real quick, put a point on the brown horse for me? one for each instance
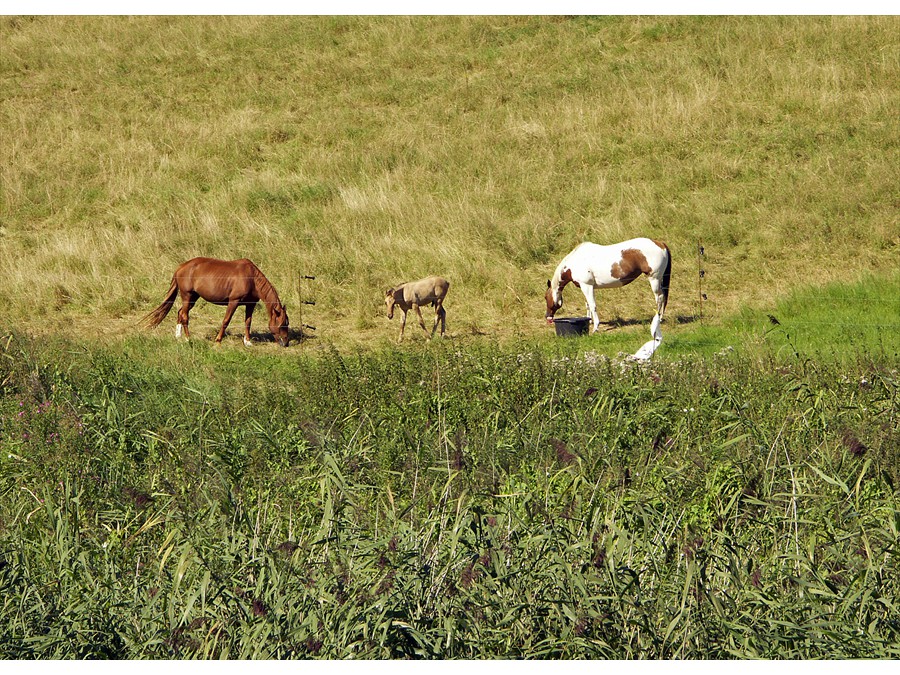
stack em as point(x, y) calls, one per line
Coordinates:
point(223, 282)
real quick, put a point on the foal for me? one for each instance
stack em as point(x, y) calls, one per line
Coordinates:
point(431, 290)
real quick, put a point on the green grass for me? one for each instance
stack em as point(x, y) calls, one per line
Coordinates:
point(834, 321)
point(440, 502)
point(839, 318)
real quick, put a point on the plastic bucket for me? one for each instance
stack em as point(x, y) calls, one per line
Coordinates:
point(572, 326)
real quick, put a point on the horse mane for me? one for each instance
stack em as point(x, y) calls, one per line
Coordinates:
point(557, 283)
point(266, 290)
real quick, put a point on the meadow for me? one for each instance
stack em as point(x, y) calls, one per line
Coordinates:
point(368, 152)
point(501, 493)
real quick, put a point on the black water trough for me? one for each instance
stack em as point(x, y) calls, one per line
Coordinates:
point(571, 326)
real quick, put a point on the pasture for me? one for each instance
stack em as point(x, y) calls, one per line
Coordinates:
point(499, 492)
point(368, 152)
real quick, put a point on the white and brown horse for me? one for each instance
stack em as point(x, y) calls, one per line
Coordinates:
point(592, 266)
point(231, 283)
point(413, 294)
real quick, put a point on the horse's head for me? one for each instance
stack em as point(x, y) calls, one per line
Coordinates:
point(554, 301)
point(278, 324)
point(389, 302)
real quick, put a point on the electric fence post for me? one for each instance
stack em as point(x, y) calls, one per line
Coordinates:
point(301, 301)
point(701, 296)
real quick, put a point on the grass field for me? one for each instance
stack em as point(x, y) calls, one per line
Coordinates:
point(373, 151)
point(502, 492)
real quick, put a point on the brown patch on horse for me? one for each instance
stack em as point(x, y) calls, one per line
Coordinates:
point(566, 277)
point(632, 265)
point(661, 244)
point(551, 305)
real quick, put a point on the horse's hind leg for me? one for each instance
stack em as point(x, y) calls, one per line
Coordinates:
point(656, 287)
point(437, 317)
point(440, 314)
point(187, 302)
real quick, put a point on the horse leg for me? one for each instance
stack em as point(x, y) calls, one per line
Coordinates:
point(656, 287)
point(421, 319)
point(402, 325)
point(229, 312)
point(248, 308)
point(437, 317)
point(187, 302)
point(440, 314)
point(588, 291)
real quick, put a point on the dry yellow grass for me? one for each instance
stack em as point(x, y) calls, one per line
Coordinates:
point(373, 151)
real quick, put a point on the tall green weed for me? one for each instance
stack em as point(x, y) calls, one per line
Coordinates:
point(447, 503)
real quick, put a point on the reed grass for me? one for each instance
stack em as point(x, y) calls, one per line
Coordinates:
point(444, 503)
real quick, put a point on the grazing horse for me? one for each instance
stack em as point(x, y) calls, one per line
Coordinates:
point(431, 290)
point(223, 282)
point(592, 266)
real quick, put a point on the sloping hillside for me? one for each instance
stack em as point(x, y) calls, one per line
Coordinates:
point(371, 151)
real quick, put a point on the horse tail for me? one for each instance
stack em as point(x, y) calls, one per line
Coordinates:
point(667, 276)
point(155, 317)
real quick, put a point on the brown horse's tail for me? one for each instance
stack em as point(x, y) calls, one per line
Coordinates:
point(667, 276)
point(154, 318)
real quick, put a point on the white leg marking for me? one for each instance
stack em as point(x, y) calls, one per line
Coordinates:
point(177, 331)
point(247, 342)
point(647, 349)
point(591, 303)
point(654, 327)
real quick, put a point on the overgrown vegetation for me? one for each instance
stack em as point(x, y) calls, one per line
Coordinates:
point(445, 503)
